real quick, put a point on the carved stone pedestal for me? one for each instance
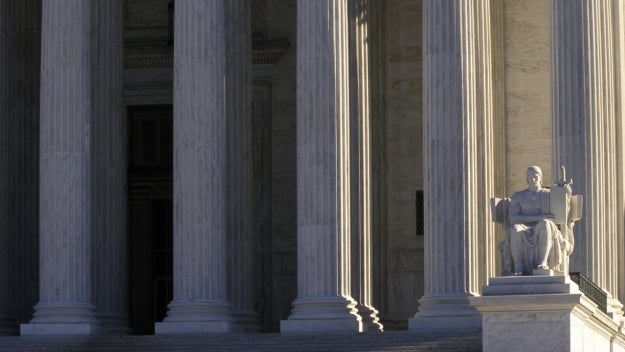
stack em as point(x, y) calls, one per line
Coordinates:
point(543, 313)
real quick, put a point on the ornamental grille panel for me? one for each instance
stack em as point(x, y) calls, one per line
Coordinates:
point(419, 212)
point(149, 143)
point(151, 139)
point(165, 137)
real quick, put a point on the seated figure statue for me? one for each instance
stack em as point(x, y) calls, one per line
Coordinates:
point(534, 240)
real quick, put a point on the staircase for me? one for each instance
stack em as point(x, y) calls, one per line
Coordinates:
point(386, 341)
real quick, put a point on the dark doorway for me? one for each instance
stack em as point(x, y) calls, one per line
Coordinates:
point(151, 214)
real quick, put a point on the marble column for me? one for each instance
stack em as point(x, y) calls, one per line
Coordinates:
point(584, 137)
point(360, 154)
point(109, 162)
point(457, 127)
point(199, 304)
point(242, 245)
point(20, 23)
point(377, 78)
point(323, 300)
point(619, 18)
point(65, 262)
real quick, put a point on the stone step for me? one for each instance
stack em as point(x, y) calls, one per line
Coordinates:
point(387, 341)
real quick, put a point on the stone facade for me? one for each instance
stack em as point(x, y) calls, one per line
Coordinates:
point(267, 165)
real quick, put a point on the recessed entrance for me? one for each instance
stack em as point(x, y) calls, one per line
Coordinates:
point(151, 212)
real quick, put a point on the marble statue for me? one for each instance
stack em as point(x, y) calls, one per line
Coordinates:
point(539, 227)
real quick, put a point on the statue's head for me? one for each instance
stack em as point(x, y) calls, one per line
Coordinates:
point(534, 176)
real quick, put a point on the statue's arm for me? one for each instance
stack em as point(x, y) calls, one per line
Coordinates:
point(514, 212)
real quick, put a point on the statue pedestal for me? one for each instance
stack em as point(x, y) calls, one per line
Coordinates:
point(543, 272)
point(543, 313)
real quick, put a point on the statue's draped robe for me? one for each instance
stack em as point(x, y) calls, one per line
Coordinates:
point(530, 233)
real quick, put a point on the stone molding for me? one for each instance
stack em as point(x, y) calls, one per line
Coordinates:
point(265, 51)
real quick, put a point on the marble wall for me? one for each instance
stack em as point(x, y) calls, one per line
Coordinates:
point(402, 90)
point(282, 23)
point(527, 50)
point(19, 150)
point(148, 53)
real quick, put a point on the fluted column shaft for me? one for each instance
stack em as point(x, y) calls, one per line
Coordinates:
point(360, 121)
point(241, 242)
point(65, 292)
point(109, 162)
point(619, 18)
point(584, 120)
point(323, 183)
point(457, 125)
point(199, 303)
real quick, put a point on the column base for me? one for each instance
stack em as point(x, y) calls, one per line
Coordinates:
point(63, 318)
point(333, 314)
point(370, 319)
point(446, 314)
point(196, 317)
